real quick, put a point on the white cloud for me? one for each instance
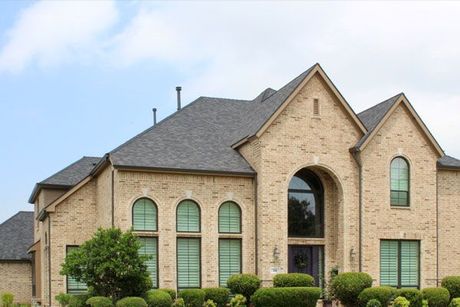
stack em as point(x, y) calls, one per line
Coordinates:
point(52, 32)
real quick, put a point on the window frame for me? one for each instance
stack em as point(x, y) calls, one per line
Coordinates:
point(408, 183)
point(156, 215)
point(240, 240)
point(199, 263)
point(177, 216)
point(69, 291)
point(157, 258)
point(240, 218)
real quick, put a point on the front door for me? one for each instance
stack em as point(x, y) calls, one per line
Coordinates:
point(307, 259)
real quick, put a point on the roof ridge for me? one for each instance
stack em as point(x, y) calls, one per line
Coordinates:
point(11, 217)
point(61, 170)
point(224, 98)
point(376, 105)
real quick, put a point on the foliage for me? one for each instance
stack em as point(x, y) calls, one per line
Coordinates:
point(328, 292)
point(171, 292)
point(383, 294)
point(218, 295)
point(245, 284)
point(209, 303)
point(347, 287)
point(374, 303)
point(238, 301)
point(192, 297)
point(414, 296)
point(452, 283)
point(131, 301)
point(78, 300)
point(280, 297)
point(401, 302)
point(7, 299)
point(179, 302)
point(293, 280)
point(455, 302)
point(63, 299)
point(158, 298)
point(99, 301)
point(436, 297)
point(110, 264)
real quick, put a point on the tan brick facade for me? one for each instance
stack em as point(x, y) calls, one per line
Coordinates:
point(16, 278)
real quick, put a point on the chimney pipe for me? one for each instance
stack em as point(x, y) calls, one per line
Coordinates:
point(178, 89)
point(154, 116)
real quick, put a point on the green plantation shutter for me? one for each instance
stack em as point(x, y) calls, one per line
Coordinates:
point(389, 263)
point(229, 218)
point(188, 217)
point(188, 263)
point(409, 264)
point(229, 259)
point(74, 286)
point(149, 247)
point(399, 182)
point(144, 215)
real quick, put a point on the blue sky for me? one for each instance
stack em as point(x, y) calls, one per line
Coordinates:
point(80, 78)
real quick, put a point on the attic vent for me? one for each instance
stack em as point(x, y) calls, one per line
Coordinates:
point(316, 107)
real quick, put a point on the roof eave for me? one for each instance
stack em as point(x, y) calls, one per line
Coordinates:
point(39, 186)
point(185, 171)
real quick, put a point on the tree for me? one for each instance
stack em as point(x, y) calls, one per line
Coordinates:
point(110, 264)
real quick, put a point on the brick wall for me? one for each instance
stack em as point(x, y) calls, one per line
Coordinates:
point(16, 278)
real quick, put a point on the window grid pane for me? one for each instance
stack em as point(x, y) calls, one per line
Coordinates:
point(399, 182)
point(144, 215)
point(188, 263)
point(389, 263)
point(229, 218)
point(229, 259)
point(409, 263)
point(74, 286)
point(188, 217)
point(149, 247)
point(399, 263)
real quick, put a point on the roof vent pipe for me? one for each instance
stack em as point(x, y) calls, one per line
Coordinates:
point(154, 116)
point(178, 89)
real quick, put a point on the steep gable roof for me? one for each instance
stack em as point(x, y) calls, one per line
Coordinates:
point(16, 235)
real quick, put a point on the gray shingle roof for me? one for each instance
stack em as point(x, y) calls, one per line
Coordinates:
point(448, 162)
point(16, 236)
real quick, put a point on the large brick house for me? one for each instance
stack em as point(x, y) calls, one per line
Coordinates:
point(290, 181)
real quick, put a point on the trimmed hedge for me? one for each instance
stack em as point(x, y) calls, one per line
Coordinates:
point(158, 298)
point(401, 302)
point(63, 298)
point(131, 301)
point(414, 296)
point(452, 283)
point(192, 297)
point(178, 302)
point(99, 301)
point(281, 297)
point(245, 284)
point(383, 294)
point(436, 297)
point(455, 302)
point(238, 301)
point(293, 280)
point(374, 303)
point(172, 293)
point(78, 300)
point(219, 296)
point(347, 287)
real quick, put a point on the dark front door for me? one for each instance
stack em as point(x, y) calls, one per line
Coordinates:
point(307, 259)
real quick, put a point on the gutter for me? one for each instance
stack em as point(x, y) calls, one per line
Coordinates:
point(356, 155)
point(437, 229)
point(256, 221)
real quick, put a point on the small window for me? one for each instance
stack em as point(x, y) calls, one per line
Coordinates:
point(316, 107)
point(144, 215)
point(399, 182)
point(229, 218)
point(74, 286)
point(188, 217)
point(188, 263)
point(229, 259)
point(400, 263)
point(149, 247)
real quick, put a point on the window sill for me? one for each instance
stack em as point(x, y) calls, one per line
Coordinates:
point(146, 233)
point(400, 207)
point(230, 235)
point(189, 234)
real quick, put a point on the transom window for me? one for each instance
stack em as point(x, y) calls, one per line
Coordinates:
point(399, 182)
point(144, 215)
point(305, 206)
point(400, 263)
point(188, 217)
point(229, 218)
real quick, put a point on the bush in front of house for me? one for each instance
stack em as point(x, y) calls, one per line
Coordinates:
point(238, 301)
point(455, 302)
point(414, 296)
point(158, 298)
point(99, 301)
point(178, 302)
point(132, 301)
point(78, 300)
point(280, 297)
point(374, 303)
point(452, 283)
point(172, 293)
point(401, 302)
point(293, 280)
point(193, 297)
point(436, 297)
point(63, 299)
point(7, 299)
point(383, 294)
point(209, 303)
point(218, 295)
point(347, 287)
point(245, 284)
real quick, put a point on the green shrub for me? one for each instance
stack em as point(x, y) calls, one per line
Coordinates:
point(383, 294)
point(452, 283)
point(401, 302)
point(218, 295)
point(158, 298)
point(414, 296)
point(374, 303)
point(245, 284)
point(63, 299)
point(238, 301)
point(293, 280)
point(347, 287)
point(171, 292)
point(436, 297)
point(7, 299)
point(192, 297)
point(131, 301)
point(280, 297)
point(455, 302)
point(78, 300)
point(209, 303)
point(179, 302)
point(99, 301)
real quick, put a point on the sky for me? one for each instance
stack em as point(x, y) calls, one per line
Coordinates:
point(81, 77)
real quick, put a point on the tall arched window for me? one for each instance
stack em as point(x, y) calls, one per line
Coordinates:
point(229, 218)
point(188, 217)
point(305, 206)
point(145, 215)
point(399, 182)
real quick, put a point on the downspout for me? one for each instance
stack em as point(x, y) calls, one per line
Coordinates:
point(113, 198)
point(357, 157)
point(49, 259)
point(437, 228)
point(256, 188)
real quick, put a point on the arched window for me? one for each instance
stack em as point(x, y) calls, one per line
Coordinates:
point(188, 217)
point(305, 206)
point(229, 218)
point(144, 215)
point(399, 182)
